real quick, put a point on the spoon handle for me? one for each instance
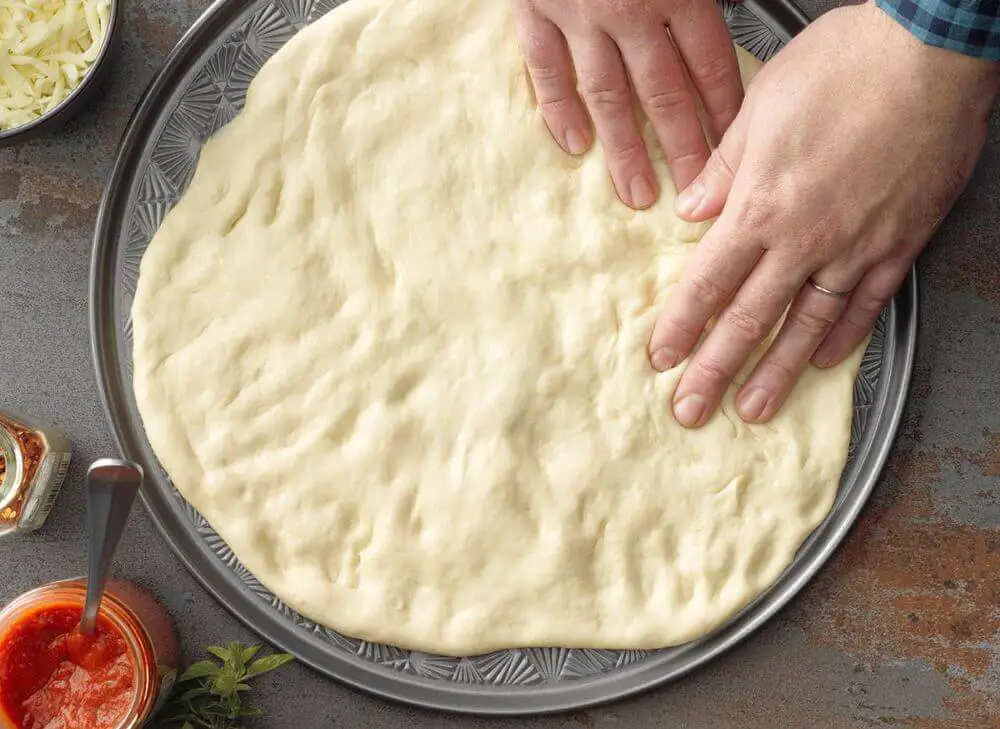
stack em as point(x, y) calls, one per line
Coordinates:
point(111, 488)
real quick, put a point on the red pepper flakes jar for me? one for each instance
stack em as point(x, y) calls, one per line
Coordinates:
point(148, 645)
point(33, 463)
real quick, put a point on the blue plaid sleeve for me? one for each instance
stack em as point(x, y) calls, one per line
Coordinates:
point(971, 27)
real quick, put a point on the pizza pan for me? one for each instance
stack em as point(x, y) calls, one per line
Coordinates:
point(200, 88)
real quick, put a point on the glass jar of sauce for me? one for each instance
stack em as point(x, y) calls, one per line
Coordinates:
point(33, 463)
point(115, 678)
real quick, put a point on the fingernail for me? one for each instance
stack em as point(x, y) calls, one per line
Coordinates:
point(576, 143)
point(641, 192)
point(664, 358)
point(688, 201)
point(689, 410)
point(822, 358)
point(753, 403)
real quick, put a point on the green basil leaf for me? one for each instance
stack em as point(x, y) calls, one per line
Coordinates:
point(200, 669)
point(268, 663)
point(222, 654)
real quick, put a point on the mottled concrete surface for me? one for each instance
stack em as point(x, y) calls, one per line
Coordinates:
point(902, 628)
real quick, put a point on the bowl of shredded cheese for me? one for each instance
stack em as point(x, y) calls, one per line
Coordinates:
point(52, 57)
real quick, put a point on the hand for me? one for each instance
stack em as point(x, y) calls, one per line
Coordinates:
point(613, 42)
point(851, 146)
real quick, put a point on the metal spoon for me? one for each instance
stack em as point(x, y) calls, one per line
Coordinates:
point(111, 488)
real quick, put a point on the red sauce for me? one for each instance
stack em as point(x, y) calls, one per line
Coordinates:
point(53, 677)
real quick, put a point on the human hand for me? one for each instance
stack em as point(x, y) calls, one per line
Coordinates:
point(602, 45)
point(851, 146)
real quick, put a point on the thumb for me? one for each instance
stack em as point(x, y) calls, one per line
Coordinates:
point(705, 197)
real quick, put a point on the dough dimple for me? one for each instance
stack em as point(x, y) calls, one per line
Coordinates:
point(391, 343)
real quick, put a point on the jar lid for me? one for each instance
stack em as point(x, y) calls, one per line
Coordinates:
point(13, 467)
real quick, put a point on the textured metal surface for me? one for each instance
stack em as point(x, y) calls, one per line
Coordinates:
point(201, 89)
point(900, 628)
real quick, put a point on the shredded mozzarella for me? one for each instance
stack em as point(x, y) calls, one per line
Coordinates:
point(46, 48)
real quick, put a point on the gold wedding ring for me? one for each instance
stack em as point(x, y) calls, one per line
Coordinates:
point(829, 292)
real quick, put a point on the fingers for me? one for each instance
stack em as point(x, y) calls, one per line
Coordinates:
point(606, 91)
point(819, 326)
point(717, 268)
point(809, 319)
point(547, 58)
point(706, 196)
point(872, 295)
point(741, 327)
point(552, 47)
point(706, 47)
point(663, 90)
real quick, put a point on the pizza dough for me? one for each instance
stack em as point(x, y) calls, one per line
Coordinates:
point(392, 345)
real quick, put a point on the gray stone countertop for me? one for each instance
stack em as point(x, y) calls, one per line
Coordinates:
point(901, 628)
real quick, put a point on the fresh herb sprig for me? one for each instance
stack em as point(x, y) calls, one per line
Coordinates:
point(212, 695)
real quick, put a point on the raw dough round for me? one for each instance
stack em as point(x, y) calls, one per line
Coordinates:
point(392, 345)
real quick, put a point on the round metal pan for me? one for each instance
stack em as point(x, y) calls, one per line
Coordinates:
point(201, 87)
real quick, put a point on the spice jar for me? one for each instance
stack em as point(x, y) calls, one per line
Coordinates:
point(33, 463)
point(115, 678)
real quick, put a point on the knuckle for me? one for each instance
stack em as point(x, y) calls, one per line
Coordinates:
point(810, 321)
point(797, 254)
point(908, 247)
point(746, 323)
point(668, 102)
point(772, 196)
point(546, 72)
point(625, 148)
point(705, 291)
point(681, 334)
point(686, 157)
point(555, 103)
point(715, 72)
point(859, 321)
point(862, 312)
point(712, 371)
point(538, 55)
point(820, 239)
point(866, 308)
point(607, 99)
point(753, 212)
point(781, 368)
point(627, 12)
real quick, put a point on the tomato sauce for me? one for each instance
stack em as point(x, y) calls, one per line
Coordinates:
point(53, 677)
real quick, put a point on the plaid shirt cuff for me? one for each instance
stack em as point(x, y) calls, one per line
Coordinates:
point(971, 27)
